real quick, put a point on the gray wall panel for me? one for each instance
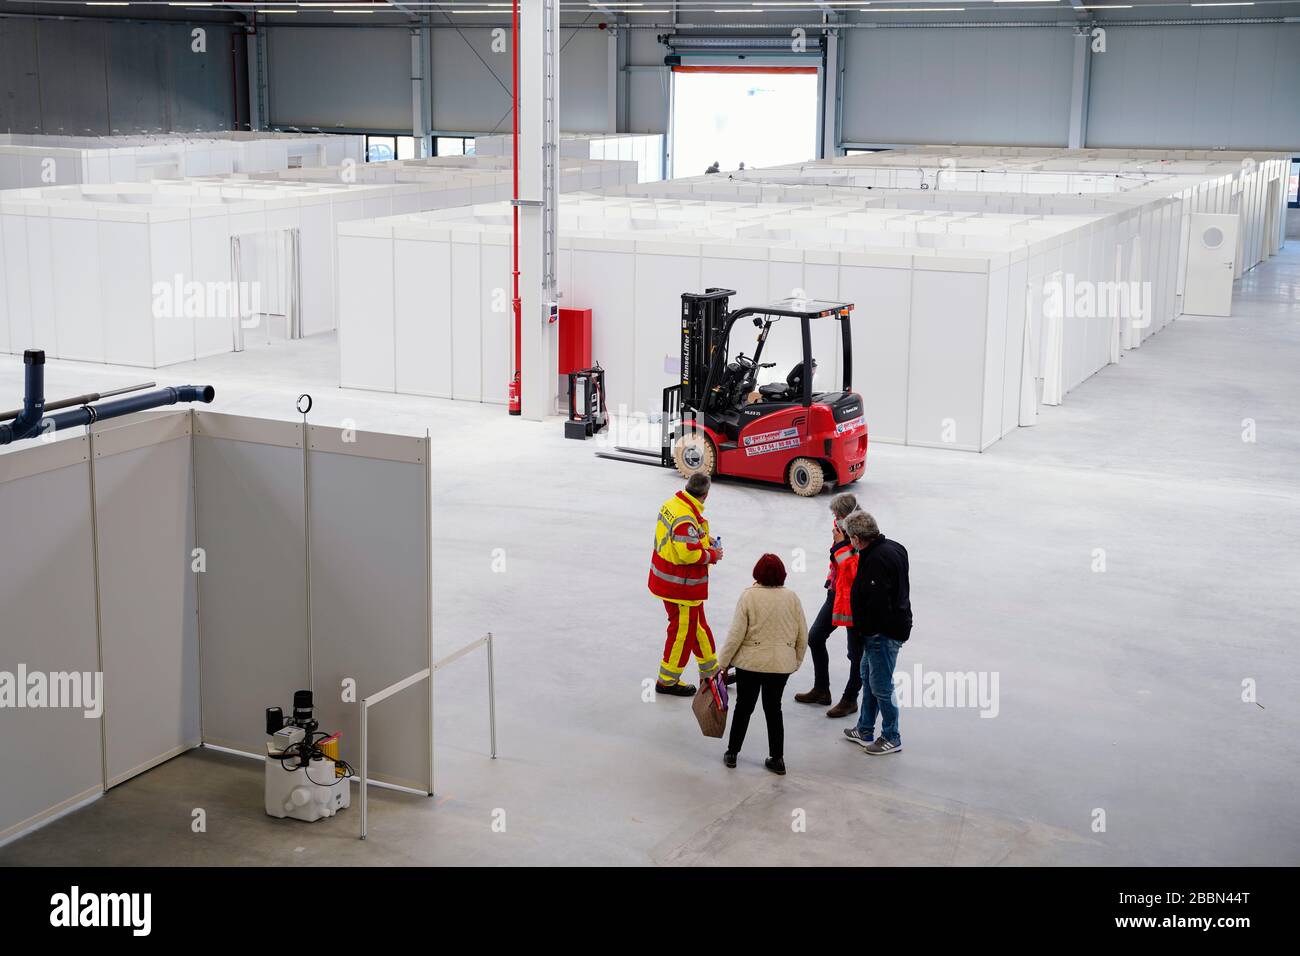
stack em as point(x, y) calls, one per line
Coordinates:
point(73, 67)
point(1197, 86)
point(369, 594)
point(253, 595)
point(47, 593)
point(1008, 86)
point(148, 617)
point(584, 81)
point(99, 78)
point(199, 85)
point(471, 83)
point(356, 78)
point(648, 100)
point(20, 102)
point(136, 99)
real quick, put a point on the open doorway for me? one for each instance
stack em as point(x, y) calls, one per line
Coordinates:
point(267, 274)
point(728, 115)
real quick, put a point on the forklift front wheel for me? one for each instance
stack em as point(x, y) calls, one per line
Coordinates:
point(806, 477)
point(693, 454)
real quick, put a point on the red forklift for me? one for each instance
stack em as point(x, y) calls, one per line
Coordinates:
point(719, 421)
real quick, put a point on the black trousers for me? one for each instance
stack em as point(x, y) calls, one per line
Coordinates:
point(818, 634)
point(750, 685)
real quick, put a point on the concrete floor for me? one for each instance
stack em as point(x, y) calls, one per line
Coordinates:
point(1119, 691)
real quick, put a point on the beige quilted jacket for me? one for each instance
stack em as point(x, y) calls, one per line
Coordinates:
point(769, 632)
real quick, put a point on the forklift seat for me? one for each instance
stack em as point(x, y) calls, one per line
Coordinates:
point(788, 390)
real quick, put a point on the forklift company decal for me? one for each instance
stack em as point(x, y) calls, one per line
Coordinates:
point(774, 446)
point(766, 437)
point(851, 424)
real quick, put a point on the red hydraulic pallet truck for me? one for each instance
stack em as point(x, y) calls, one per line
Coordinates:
point(717, 421)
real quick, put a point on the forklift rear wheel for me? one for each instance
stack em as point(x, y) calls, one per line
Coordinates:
point(806, 477)
point(693, 454)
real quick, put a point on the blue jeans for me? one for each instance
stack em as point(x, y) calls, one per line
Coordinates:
point(878, 657)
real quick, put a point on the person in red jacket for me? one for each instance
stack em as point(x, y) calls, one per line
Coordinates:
point(836, 612)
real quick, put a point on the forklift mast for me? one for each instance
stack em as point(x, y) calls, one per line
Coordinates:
point(704, 331)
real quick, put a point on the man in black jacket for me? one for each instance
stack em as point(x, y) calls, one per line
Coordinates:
point(882, 615)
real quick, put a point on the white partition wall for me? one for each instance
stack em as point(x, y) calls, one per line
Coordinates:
point(936, 319)
point(51, 756)
point(370, 596)
point(145, 274)
point(646, 149)
point(148, 613)
point(251, 524)
point(28, 161)
point(974, 306)
point(169, 553)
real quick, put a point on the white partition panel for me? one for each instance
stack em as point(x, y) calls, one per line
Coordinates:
point(424, 324)
point(144, 508)
point(882, 315)
point(50, 756)
point(366, 289)
point(371, 594)
point(467, 310)
point(655, 333)
point(946, 388)
point(253, 595)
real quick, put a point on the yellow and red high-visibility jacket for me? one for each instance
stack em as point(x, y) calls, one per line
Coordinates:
point(679, 567)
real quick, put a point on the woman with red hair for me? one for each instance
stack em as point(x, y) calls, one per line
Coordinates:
point(766, 643)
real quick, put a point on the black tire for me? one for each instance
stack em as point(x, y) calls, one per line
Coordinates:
point(806, 477)
point(694, 454)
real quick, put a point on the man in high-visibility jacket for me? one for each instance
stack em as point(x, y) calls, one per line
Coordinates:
point(679, 576)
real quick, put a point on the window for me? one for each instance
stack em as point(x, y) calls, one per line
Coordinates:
point(380, 149)
point(1293, 185)
point(854, 151)
point(453, 146)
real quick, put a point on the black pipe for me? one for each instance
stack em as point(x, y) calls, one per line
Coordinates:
point(33, 393)
point(79, 400)
point(33, 421)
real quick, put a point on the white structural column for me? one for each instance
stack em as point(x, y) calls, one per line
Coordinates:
point(831, 92)
point(1080, 79)
point(539, 110)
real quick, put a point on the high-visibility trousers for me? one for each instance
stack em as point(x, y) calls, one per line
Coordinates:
point(688, 633)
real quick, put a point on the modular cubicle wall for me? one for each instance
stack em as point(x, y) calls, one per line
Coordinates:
point(154, 274)
point(208, 566)
point(43, 160)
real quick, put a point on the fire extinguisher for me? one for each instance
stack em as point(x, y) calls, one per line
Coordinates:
point(514, 403)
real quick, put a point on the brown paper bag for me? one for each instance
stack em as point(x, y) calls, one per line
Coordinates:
point(712, 720)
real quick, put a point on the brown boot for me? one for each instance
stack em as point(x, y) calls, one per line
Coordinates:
point(814, 696)
point(846, 706)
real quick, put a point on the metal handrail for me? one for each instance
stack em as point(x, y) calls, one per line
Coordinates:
point(410, 681)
